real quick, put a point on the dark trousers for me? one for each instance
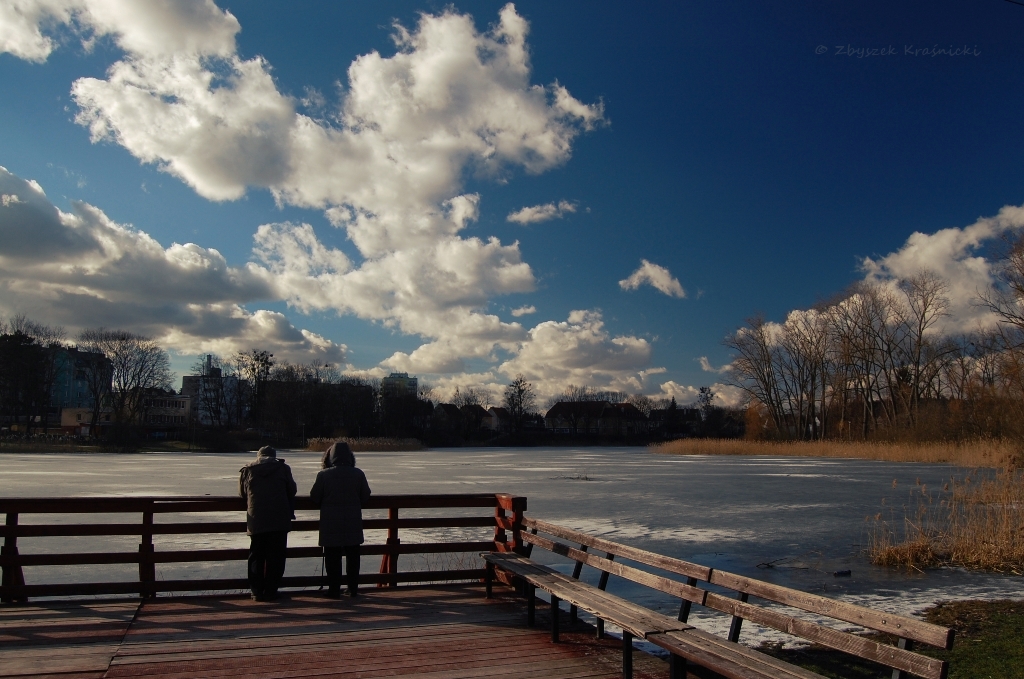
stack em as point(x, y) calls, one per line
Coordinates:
point(332, 564)
point(266, 561)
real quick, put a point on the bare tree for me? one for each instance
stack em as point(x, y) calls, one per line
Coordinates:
point(645, 404)
point(254, 366)
point(137, 364)
point(520, 400)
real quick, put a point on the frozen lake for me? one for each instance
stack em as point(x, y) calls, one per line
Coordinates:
point(806, 515)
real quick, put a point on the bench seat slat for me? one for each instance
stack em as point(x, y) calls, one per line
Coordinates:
point(727, 658)
point(898, 625)
point(667, 563)
point(633, 618)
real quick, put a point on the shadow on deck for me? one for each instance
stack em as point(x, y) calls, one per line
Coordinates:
point(443, 632)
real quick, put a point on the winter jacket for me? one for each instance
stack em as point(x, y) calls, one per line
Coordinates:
point(340, 492)
point(269, 489)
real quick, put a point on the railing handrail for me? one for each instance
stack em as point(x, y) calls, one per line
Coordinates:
point(216, 503)
point(14, 587)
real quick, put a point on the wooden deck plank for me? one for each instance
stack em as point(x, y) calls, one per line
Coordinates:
point(443, 632)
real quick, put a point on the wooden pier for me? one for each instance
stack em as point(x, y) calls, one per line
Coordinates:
point(465, 608)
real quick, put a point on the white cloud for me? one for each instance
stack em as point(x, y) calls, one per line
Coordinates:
point(726, 395)
point(579, 351)
point(387, 164)
point(706, 366)
point(656, 276)
point(152, 28)
point(524, 310)
point(952, 254)
point(541, 213)
point(82, 269)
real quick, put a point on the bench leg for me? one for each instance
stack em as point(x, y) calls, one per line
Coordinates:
point(488, 578)
point(676, 667)
point(600, 628)
point(737, 622)
point(531, 607)
point(572, 615)
point(627, 655)
point(554, 619)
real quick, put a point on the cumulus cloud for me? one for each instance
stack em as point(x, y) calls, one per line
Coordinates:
point(541, 213)
point(524, 310)
point(82, 269)
point(953, 254)
point(579, 351)
point(387, 163)
point(726, 395)
point(657, 277)
point(706, 366)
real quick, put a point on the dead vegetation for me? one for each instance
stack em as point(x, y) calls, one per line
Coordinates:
point(990, 452)
point(368, 444)
point(975, 521)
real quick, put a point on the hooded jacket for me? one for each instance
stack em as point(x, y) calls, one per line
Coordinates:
point(269, 489)
point(340, 491)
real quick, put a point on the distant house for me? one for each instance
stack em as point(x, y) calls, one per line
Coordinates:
point(595, 417)
point(448, 414)
point(475, 417)
point(164, 410)
point(675, 421)
point(498, 419)
point(575, 417)
point(78, 421)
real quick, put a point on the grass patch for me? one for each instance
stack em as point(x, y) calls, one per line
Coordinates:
point(995, 453)
point(988, 645)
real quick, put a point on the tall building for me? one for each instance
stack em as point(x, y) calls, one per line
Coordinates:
point(74, 370)
point(397, 385)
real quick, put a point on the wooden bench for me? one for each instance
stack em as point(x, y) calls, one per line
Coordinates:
point(684, 642)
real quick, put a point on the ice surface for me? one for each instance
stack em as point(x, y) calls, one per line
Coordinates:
point(805, 515)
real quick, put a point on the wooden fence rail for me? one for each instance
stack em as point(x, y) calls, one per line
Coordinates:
point(507, 516)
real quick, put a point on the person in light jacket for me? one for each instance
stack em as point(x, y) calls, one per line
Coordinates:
point(340, 491)
point(269, 490)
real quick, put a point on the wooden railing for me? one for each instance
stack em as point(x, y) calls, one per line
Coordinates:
point(505, 520)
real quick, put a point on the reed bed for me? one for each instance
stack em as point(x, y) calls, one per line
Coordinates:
point(367, 444)
point(994, 453)
point(976, 521)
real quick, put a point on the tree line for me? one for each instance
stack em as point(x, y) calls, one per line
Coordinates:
point(875, 362)
point(115, 368)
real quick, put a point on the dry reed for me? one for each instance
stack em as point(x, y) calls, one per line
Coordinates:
point(976, 522)
point(996, 453)
point(368, 444)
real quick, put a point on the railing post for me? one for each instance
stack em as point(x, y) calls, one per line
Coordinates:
point(517, 505)
point(393, 543)
point(13, 577)
point(147, 567)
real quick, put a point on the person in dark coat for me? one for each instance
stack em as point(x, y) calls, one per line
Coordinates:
point(340, 491)
point(269, 490)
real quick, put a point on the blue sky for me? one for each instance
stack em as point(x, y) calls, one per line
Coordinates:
point(753, 154)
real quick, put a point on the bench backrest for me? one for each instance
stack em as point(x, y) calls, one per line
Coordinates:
point(900, 657)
